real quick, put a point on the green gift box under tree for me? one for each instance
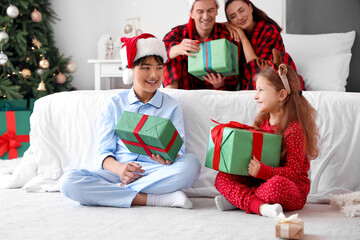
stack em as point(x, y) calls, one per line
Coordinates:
point(215, 56)
point(13, 105)
point(232, 146)
point(14, 133)
point(147, 135)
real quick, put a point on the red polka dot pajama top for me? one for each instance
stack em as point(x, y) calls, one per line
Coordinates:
point(287, 184)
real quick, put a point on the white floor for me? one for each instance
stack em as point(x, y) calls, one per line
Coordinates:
point(52, 216)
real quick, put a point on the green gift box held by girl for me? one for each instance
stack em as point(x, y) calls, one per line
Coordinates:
point(144, 134)
point(232, 146)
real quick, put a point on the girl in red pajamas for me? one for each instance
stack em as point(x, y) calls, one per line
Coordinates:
point(258, 35)
point(284, 111)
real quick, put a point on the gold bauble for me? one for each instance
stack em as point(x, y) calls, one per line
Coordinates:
point(128, 29)
point(71, 67)
point(44, 64)
point(25, 73)
point(41, 86)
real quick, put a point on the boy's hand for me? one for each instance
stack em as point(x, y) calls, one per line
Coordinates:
point(128, 172)
point(254, 167)
point(159, 159)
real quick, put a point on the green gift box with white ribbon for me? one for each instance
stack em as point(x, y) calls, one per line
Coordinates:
point(215, 56)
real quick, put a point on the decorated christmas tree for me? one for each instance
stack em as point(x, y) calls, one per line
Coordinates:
point(30, 63)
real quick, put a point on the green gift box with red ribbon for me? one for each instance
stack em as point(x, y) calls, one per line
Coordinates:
point(231, 147)
point(14, 133)
point(214, 56)
point(147, 135)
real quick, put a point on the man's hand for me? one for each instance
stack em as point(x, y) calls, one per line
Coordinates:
point(216, 80)
point(184, 48)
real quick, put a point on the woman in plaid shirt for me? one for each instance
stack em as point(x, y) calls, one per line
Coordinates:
point(258, 35)
point(184, 39)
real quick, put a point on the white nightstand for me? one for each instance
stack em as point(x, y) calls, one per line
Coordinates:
point(106, 69)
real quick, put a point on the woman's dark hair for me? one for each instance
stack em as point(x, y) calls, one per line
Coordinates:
point(140, 61)
point(257, 14)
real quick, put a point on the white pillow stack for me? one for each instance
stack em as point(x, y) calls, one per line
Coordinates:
point(323, 60)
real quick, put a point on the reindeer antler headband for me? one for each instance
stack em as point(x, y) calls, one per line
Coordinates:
point(278, 66)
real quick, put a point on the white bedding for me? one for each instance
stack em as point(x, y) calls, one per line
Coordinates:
point(63, 136)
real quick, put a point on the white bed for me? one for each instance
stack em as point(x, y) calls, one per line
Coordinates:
point(63, 136)
point(63, 129)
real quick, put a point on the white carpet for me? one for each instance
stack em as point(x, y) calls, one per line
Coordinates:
point(52, 216)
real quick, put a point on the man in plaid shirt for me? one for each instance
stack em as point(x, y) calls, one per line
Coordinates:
point(184, 39)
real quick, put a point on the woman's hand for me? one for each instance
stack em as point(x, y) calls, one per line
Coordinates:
point(235, 32)
point(184, 48)
point(216, 80)
point(128, 172)
point(159, 159)
point(254, 167)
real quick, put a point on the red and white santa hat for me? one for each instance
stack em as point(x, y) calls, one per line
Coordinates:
point(191, 4)
point(137, 47)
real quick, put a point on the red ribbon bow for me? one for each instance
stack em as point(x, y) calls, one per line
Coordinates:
point(217, 135)
point(9, 141)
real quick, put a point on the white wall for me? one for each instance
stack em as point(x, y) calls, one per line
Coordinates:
point(84, 21)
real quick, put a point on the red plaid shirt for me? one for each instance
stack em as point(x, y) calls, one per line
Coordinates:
point(264, 38)
point(176, 69)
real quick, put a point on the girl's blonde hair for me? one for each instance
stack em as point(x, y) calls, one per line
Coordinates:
point(294, 108)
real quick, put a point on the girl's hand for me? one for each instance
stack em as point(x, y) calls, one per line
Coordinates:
point(128, 172)
point(254, 167)
point(216, 80)
point(159, 159)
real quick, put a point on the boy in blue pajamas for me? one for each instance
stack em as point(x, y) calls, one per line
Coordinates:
point(126, 178)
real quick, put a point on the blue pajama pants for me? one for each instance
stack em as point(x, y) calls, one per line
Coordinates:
point(102, 187)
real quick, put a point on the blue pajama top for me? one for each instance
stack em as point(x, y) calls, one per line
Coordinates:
point(161, 105)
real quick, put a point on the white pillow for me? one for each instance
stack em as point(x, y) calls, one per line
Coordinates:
point(323, 60)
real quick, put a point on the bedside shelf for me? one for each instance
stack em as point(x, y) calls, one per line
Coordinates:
point(106, 69)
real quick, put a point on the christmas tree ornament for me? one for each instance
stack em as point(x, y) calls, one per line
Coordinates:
point(36, 16)
point(44, 64)
point(3, 58)
point(25, 73)
point(71, 67)
point(60, 78)
point(41, 86)
point(12, 11)
point(40, 71)
point(138, 32)
point(128, 29)
point(36, 42)
point(4, 38)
